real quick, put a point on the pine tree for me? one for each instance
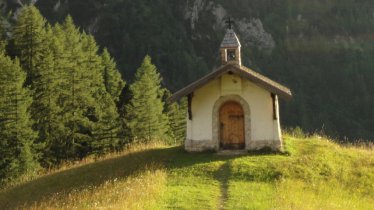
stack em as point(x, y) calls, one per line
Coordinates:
point(89, 116)
point(77, 94)
point(145, 118)
point(59, 148)
point(112, 77)
point(17, 148)
point(35, 42)
point(103, 111)
point(176, 113)
point(29, 39)
point(45, 89)
point(72, 94)
point(2, 34)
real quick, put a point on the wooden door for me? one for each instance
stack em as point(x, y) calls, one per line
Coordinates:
point(231, 126)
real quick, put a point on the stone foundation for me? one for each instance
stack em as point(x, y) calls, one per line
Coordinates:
point(274, 145)
point(199, 145)
point(210, 145)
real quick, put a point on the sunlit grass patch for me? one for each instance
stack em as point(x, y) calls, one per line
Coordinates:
point(139, 191)
point(296, 194)
point(189, 192)
point(85, 176)
point(193, 182)
point(251, 195)
point(265, 168)
point(318, 174)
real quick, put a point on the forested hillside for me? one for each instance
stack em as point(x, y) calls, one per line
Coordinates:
point(60, 98)
point(322, 50)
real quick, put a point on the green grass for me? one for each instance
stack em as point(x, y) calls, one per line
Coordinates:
point(313, 173)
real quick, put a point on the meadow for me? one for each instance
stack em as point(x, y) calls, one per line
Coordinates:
point(311, 173)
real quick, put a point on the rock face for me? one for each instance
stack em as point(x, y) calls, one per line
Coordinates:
point(250, 29)
point(193, 11)
point(220, 14)
point(15, 4)
point(254, 34)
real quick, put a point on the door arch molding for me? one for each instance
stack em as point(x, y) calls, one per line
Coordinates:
point(216, 124)
point(231, 118)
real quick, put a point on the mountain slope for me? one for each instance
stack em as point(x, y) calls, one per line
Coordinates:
point(322, 50)
point(313, 173)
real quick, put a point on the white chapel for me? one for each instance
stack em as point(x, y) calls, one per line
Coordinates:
point(233, 107)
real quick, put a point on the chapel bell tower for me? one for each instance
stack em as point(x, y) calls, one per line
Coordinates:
point(230, 47)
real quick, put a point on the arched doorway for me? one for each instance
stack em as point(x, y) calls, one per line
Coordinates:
point(231, 119)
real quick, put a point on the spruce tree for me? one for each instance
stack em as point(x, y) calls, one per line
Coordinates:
point(103, 111)
point(17, 148)
point(46, 91)
point(35, 43)
point(59, 148)
point(29, 39)
point(177, 113)
point(2, 34)
point(112, 77)
point(72, 93)
point(88, 112)
point(77, 94)
point(144, 113)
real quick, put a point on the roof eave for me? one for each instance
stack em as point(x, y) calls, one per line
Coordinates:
point(282, 91)
point(196, 84)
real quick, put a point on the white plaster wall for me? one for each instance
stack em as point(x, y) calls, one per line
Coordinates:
point(261, 106)
point(263, 127)
point(277, 128)
point(202, 105)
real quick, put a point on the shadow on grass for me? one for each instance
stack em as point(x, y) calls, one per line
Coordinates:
point(268, 151)
point(223, 175)
point(96, 174)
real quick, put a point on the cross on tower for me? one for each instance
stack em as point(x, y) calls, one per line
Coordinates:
point(229, 23)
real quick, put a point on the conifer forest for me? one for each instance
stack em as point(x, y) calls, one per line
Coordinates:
point(61, 98)
point(81, 78)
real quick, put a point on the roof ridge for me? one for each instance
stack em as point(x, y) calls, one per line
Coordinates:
point(265, 78)
point(245, 72)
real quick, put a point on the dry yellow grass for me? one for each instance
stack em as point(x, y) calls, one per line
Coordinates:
point(129, 149)
point(138, 191)
point(128, 180)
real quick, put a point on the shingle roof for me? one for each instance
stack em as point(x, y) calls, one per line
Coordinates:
point(230, 40)
point(243, 72)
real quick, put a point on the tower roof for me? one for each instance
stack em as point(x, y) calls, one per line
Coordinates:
point(230, 40)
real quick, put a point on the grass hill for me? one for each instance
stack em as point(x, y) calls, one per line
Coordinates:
point(312, 173)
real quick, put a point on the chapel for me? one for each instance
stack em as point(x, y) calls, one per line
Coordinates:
point(233, 107)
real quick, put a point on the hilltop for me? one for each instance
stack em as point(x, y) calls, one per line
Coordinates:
point(312, 173)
